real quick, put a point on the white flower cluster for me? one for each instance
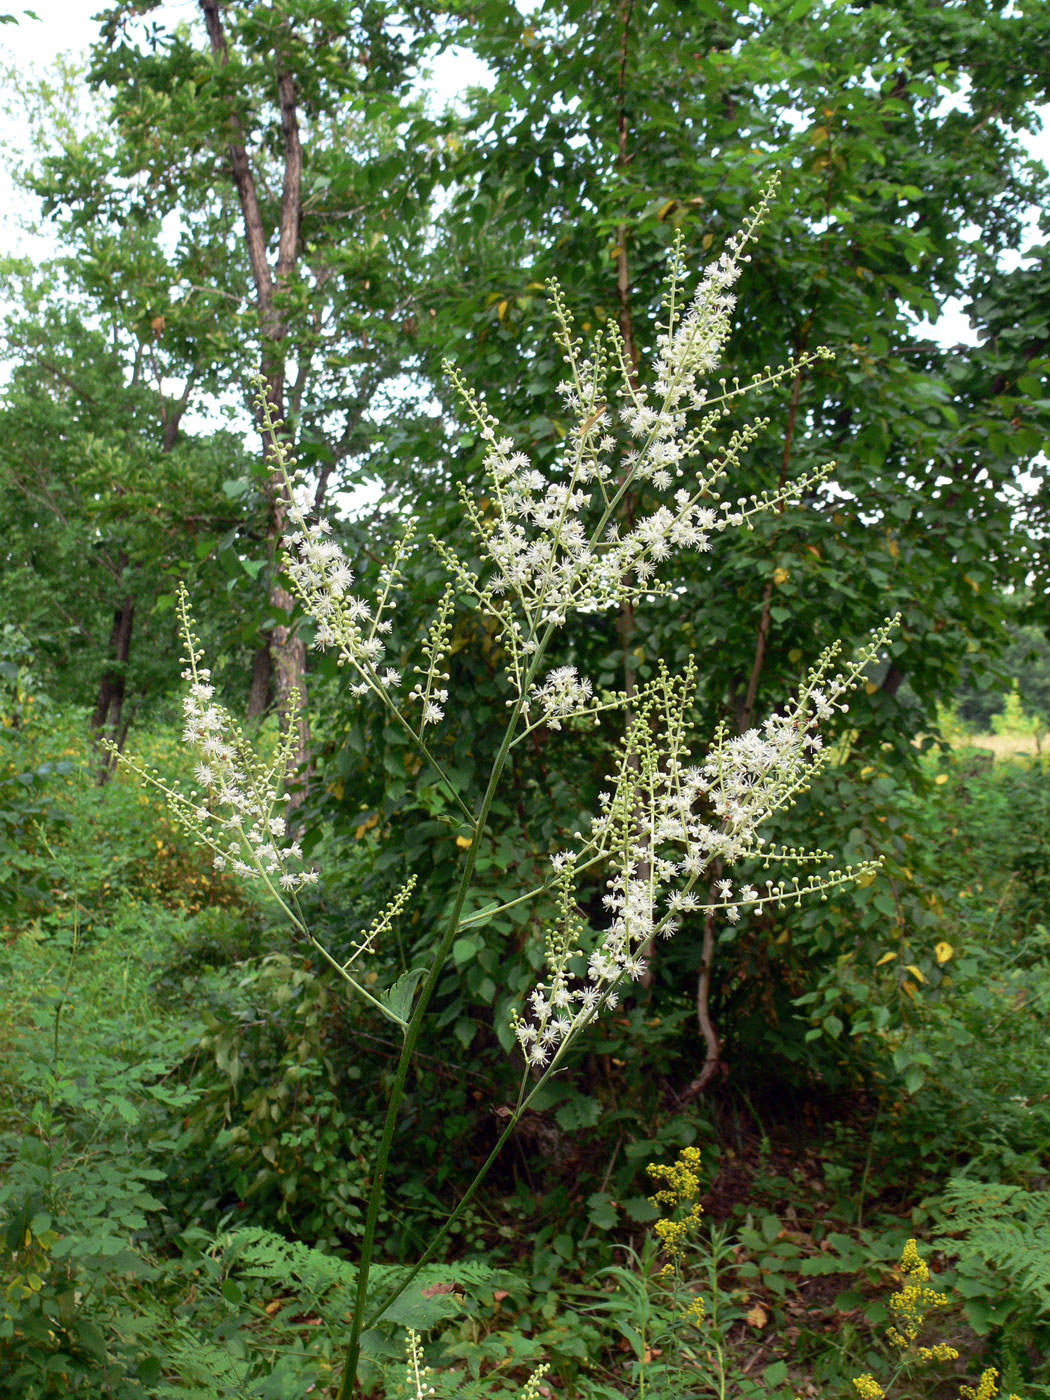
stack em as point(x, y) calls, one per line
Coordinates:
point(430, 690)
point(564, 693)
point(548, 546)
point(554, 538)
point(235, 812)
point(321, 576)
point(666, 825)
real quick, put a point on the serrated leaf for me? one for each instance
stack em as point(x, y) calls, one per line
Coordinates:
point(639, 1208)
point(398, 998)
point(601, 1210)
point(581, 1111)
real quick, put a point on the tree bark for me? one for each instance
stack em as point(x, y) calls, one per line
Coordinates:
point(109, 707)
point(712, 1041)
point(259, 692)
point(287, 652)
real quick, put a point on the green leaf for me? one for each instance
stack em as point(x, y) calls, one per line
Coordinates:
point(914, 1078)
point(465, 1031)
point(464, 950)
point(89, 1335)
point(600, 1211)
point(771, 1228)
point(640, 1209)
point(398, 998)
point(581, 1111)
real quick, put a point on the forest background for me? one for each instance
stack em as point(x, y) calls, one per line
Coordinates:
point(233, 189)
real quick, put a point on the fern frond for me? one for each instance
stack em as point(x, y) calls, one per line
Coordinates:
point(1006, 1226)
point(325, 1282)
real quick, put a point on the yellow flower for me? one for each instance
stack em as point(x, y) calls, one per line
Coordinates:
point(682, 1189)
point(868, 1388)
point(696, 1312)
point(986, 1387)
point(910, 1304)
point(940, 1351)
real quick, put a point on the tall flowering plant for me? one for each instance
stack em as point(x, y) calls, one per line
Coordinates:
point(554, 545)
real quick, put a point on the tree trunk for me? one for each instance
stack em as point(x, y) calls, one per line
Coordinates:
point(259, 693)
point(109, 708)
point(287, 652)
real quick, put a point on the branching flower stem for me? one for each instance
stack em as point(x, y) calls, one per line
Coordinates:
point(283, 463)
point(412, 1033)
point(491, 910)
point(551, 546)
point(353, 982)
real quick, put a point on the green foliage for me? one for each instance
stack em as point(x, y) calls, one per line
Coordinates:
point(1026, 665)
point(999, 1234)
point(242, 1088)
point(90, 1118)
point(1014, 719)
point(875, 173)
point(101, 499)
point(271, 1130)
point(27, 776)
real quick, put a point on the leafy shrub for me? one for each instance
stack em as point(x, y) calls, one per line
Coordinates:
point(90, 1119)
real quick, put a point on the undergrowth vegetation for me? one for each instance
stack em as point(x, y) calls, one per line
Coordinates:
point(186, 1097)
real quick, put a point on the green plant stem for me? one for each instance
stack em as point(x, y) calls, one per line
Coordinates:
point(491, 910)
point(353, 982)
point(421, 744)
point(867, 1169)
point(483, 1171)
point(397, 1091)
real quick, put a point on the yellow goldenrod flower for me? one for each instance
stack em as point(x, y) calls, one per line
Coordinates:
point(986, 1387)
point(940, 1351)
point(682, 1189)
point(696, 1312)
point(911, 1303)
point(868, 1388)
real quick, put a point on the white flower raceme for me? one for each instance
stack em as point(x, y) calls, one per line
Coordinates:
point(552, 541)
point(236, 812)
point(558, 540)
point(321, 575)
point(565, 692)
point(666, 823)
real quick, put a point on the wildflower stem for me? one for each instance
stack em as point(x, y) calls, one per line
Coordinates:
point(383, 695)
point(465, 1199)
point(412, 1035)
point(332, 962)
point(421, 745)
point(491, 910)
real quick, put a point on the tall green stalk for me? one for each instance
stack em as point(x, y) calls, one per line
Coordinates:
point(397, 1092)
